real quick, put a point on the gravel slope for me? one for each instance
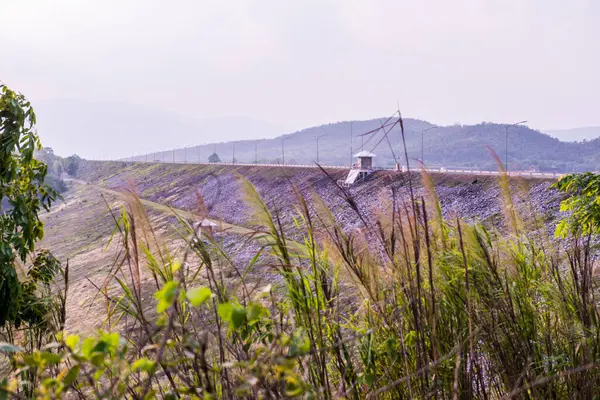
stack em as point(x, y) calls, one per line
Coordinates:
point(181, 186)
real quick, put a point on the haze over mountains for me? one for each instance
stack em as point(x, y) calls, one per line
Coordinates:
point(112, 130)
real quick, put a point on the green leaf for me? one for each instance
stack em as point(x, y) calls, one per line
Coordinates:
point(71, 375)
point(3, 393)
point(72, 341)
point(112, 340)
point(175, 266)
point(98, 359)
point(51, 358)
point(233, 314)
point(100, 347)
point(224, 310)
point(198, 296)
point(166, 296)
point(143, 364)
point(255, 311)
point(238, 316)
point(87, 347)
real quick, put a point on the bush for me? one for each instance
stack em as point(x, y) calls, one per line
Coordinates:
point(72, 165)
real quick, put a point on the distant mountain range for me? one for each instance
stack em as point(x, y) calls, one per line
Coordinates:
point(576, 134)
point(118, 131)
point(465, 146)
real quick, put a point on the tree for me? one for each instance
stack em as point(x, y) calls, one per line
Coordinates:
point(47, 156)
point(214, 158)
point(72, 164)
point(23, 194)
point(582, 205)
point(59, 168)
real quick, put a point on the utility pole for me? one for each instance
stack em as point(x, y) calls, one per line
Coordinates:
point(351, 143)
point(283, 149)
point(506, 142)
point(318, 137)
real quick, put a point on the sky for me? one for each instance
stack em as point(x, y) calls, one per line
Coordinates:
point(297, 64)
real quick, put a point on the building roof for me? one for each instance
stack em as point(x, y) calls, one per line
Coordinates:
point(364, 153)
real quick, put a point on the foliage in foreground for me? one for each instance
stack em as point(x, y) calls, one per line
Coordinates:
point(410, 306)
point(22, 195)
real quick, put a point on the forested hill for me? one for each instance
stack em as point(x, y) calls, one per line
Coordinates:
point(450, 146)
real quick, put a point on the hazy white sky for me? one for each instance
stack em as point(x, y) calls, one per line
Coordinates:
point(306, 62)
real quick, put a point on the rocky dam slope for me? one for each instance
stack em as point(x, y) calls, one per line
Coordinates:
point(472, 198)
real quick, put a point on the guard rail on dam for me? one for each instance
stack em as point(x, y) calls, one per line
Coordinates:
point(442, 170)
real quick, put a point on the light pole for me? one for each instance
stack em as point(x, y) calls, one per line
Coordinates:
point(318, 137)
point(506, 142)
point(256, 150)
point(423, 142)
point(283, 149)
point(351, 143)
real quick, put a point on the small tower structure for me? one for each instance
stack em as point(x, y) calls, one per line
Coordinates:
point(362, 168)
point(365, 160)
